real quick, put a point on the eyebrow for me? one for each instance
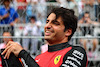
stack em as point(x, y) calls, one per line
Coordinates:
point(53, 20)
point(56, 21)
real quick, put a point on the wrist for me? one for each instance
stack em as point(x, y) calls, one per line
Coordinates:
point(21, 53)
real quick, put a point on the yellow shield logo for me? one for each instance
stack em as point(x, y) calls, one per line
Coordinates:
point(57, 59)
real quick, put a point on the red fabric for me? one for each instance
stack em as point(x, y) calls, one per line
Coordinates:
point(21, 7)
point(21, 0)
point(87, 62)
point(47, 59)
point(0, 62)
point(21, 62)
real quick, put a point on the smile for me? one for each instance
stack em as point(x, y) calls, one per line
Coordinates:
point(47, 33)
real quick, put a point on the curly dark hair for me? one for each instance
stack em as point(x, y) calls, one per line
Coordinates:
point(68, 18)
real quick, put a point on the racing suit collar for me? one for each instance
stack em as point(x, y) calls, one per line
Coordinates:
point(57, 47)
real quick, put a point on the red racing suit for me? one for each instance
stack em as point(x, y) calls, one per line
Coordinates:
point(59, 55)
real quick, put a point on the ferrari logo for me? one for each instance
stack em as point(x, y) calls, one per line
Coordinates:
point(57, 59)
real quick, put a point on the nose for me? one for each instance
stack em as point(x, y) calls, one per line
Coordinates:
point(48, 25)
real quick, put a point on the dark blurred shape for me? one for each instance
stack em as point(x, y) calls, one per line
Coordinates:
point(13, 61)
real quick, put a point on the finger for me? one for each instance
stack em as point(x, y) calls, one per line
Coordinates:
point(8, 53)
point(9, 43)
point(6, 50)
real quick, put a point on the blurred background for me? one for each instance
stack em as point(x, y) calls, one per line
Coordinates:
point(23, 21)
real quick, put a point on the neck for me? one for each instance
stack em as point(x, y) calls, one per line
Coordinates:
point(7, 7)
point(54, 42)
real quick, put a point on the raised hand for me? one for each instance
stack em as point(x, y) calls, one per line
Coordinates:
point(12, 47)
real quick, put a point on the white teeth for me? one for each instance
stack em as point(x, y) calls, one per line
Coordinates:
point(47, 31)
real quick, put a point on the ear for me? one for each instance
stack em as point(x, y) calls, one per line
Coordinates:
point(68, 32)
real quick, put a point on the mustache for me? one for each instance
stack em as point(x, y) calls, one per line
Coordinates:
point(50, 29)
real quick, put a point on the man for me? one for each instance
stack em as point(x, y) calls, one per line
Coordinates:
point(21, 9)
point(8, 15)
point(88, 30)
point(11, 62)
point(60, 26)
point(91, 8)
point(86, 20)
point(5, 40)
point(32, 29)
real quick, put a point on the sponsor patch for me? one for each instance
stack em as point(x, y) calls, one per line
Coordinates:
point(74, 59)
point(78, 54)
point(69, 62)
point(57, 59)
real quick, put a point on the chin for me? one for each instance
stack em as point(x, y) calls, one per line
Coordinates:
point(47, 37)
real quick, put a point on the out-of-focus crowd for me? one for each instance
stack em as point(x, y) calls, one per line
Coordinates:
point(27, 18)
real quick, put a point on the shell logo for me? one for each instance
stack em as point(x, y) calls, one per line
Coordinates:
point(57, 59)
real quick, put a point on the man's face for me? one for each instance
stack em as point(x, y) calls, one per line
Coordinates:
point(32, 20)
point(86, 17)
point(6, 34)
point(54, 30)
point(7, 3)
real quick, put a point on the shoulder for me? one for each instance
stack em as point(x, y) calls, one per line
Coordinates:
point(12, 9)
point(78, 48)
point(2, 45)
point(77, 51)
point(76, 56)
point(2, 8)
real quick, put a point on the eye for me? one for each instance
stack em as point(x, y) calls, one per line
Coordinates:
point(55, 22)
point(47, 21)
